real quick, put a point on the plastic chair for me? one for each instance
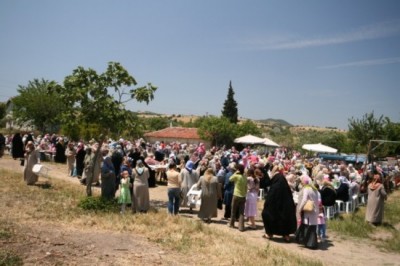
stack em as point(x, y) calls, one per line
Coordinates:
point(362, 198)
point(340, 206)
point(349, 206)
point(194, 196)
point(261, 194)
point(330, 212)
point(355, 202)
point(41, 170)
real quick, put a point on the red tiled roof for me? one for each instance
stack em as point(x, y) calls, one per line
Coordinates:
point(175, 132)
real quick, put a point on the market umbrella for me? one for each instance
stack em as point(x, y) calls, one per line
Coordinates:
point(249, 139)
point(270, 143)
point(319, 148)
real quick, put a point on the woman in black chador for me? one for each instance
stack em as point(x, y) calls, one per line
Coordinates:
point(279, 213)
point(17, 148)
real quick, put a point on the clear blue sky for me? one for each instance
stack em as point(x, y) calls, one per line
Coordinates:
point(308, 62)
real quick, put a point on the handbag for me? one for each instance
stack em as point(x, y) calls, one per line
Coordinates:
point(309, 206)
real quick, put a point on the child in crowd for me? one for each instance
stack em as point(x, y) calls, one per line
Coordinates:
point(321, 228)
point(125, 194)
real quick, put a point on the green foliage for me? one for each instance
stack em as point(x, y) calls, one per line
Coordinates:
point(361, 131)
point(90, 101)
point(3, 107)
point(74, 133)
point(392, 133)
point(337, 140)
point(230, 109)
point(98, 204)
point(90, 131)
point(247, 127)
point(10, 259)
point(197, 122)
point(90, 98)
point(352, 225)
point(5, 233)
point(34, 105)
point(218, 130)
point(156, 123)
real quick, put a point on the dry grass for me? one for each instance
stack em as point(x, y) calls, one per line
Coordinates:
point(385, 236)
point(58, 204)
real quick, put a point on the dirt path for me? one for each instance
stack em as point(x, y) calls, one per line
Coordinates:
point(335, 251)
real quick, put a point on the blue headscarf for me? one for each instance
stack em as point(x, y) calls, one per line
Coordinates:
point(189, 166)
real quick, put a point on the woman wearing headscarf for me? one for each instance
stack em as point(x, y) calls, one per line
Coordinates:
point(79, 159)
point(210, 193)
point(376, 199)
point(107, 176)
point(31, 158)
point(70, 153)
point(2, 144)
point(253, 185)
point(17, 146)
point(342, 192)
point(141, 197)
point(279, 212)
point(228, 190)
point(148, 162)
point(60, 151)
point(307, 231)
point(189, 177)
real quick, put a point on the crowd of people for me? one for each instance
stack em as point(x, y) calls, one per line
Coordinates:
point(228, 178)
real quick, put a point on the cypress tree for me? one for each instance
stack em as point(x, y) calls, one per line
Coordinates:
point(230, 110)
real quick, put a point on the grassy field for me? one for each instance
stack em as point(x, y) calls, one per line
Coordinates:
point(63, 204)
point(385, 236)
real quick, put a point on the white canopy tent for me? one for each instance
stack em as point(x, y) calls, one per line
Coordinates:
point(249, 139)
point(319, 148)
point(270, 143)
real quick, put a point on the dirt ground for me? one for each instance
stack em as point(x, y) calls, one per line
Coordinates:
point(49, 244)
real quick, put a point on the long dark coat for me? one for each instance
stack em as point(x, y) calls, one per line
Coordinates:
point(60, 153)
point(79, 161)
point(279, 213)
point(17, 148)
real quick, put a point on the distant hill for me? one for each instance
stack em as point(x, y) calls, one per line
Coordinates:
point(274, 122)
point(186, 118)
point(146, 113)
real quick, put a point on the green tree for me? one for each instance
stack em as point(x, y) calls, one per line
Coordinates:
point(337, 140)
point(35, 106)
point(157, 123)
point(391, 133)
point(3, 107)
point(218, 130)
point(247, 127)
point(90, 99)
point(361, 131)
point(230, 109)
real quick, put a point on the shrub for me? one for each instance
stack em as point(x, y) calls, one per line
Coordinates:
point(98, 204)
point(9, 258)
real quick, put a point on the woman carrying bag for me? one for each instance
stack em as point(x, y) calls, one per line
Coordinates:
point(307, 214)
